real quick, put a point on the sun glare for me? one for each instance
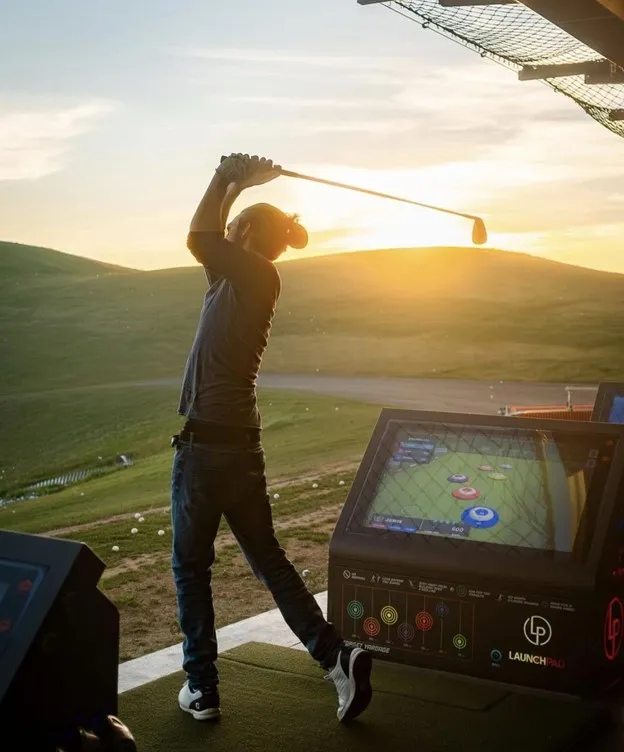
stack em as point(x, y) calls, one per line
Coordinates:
point(343, 220)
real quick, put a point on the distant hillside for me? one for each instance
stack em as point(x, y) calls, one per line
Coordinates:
point(460, 312)
point(26, 260)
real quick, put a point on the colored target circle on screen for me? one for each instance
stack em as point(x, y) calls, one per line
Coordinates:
point(497, 476)
point(458, 478)
point(389, 615)
point(459, 641)
point(405, 632)
point(442, 610)
point(506, 467)
point(355, 609)
point(424, 621)
point(371, 626)
point(466, 493)
point(486, 468)
point(481, 517)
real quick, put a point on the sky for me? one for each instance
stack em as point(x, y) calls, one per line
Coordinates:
point(114, 115)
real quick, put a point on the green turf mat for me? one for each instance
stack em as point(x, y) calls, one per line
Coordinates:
point(283, 707)
point(421, 685)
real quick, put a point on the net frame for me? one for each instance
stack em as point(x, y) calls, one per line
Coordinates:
point(517, 37)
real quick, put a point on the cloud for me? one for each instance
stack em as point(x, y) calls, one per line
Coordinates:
point(354, 63)
point(384, 127)
point(35, 142)
point(317, 102)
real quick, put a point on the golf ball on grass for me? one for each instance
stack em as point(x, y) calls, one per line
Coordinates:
point(276, 496)
point(161, 532)
point(137, 515)
point(341, 483)
point(115, 548)
point(141, 519)
point(134, 531)
point(315, 485)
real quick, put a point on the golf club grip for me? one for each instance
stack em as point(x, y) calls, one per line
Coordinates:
point(283, 172)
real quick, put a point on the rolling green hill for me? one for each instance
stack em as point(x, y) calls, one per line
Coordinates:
point(68, 322)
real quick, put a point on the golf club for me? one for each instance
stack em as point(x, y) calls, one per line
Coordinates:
point(479, 232)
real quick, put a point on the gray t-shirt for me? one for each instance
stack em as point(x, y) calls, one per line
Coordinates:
point(220, 376)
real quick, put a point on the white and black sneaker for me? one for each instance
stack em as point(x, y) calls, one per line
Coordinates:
point(351, 675)
point(201, 703)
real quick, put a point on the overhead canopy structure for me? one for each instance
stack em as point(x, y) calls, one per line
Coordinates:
point(574, 46)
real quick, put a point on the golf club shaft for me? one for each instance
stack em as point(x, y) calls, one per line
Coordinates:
point(322, 181)
point(290, 174)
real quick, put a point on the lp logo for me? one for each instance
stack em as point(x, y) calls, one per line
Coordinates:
point(613, 629)
point(537, 630)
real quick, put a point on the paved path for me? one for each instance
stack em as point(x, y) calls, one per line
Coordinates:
point(429, 394)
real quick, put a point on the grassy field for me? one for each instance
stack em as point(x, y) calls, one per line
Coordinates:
point(307, 440)
point(68, 322)
point(63, 431)
point(75, 334)
point(138, 577)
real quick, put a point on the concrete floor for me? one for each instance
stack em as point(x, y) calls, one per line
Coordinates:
point(269, 627)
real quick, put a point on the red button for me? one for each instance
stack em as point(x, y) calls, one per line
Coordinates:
point(5, 625)
point(25, 586)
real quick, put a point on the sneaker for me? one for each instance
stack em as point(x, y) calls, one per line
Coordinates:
point(201, 703)
point(351, 676)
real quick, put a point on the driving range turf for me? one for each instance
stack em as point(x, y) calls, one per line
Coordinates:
point(275, 698)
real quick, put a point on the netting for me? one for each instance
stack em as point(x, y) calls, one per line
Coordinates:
point(519, 490)
point(516, 36)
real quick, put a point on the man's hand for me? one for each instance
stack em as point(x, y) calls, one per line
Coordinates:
point(245, 171)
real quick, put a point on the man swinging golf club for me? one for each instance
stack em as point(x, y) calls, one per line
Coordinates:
point(219, 465)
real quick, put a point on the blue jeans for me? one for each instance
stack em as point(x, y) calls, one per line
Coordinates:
point(208, 482)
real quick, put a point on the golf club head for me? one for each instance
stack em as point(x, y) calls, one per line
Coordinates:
point(479, 233)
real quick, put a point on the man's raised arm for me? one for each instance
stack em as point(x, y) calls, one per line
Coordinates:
point(214, 208)
point(206, 239)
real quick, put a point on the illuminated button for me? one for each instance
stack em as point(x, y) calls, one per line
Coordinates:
point(5, 625)
point(25, 586)
point(424, 621)
point(371, 626)
point(496, 656)
point(459, 641)
point(389, 615)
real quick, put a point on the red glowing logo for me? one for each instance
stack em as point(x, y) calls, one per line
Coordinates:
point(612, 638)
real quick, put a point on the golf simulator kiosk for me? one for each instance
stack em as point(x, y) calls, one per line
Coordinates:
point(59, 641)
point(488, 546)
point(609, 404)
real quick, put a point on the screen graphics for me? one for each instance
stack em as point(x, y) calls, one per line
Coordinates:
point(524, 488)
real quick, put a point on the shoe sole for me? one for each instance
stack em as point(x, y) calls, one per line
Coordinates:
point(359, 678)
point(210, 714)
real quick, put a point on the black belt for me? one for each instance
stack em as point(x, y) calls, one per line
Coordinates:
point(211, 433)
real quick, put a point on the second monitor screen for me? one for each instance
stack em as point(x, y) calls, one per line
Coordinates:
point(523, 488)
